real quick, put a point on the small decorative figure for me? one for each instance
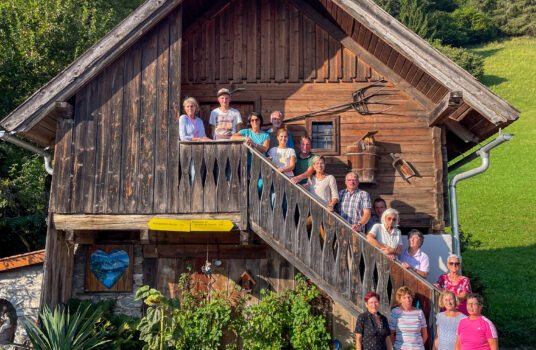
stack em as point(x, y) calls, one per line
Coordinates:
point(5, 325)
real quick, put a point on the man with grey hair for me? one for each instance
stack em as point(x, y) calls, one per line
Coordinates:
point(413, 258)
point(354, 204)
point(276, 118)
point(386, 236)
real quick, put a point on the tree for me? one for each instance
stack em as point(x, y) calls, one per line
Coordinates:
point(38, 39)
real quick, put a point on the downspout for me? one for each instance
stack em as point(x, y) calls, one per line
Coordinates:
point(484, 155)
point(12, 139)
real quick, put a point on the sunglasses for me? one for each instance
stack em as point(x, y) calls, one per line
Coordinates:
point(255, 120)
point(454, 263)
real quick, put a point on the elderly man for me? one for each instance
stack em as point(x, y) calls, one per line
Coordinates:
point(276, 118)
point(304, 162)
point(413, 258)
point(378, 207)
point(354, 204)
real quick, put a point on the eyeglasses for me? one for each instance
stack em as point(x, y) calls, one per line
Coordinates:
point(255, 120)
point(474, 304)
point(454, 263)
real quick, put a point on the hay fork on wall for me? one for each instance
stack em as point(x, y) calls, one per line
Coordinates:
point(362, 99)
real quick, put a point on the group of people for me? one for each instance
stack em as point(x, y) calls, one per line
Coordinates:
point(460, 325)
point(406, 327)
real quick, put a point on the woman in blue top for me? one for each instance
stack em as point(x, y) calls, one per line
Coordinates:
point(254, 136)
point(191, 127)
point(447, 321)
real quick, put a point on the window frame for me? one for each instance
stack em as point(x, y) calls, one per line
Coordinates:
point(335, 122)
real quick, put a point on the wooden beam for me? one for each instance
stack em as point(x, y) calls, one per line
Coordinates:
point(88, 65)
point(128, 222)
point(363, 54)
point(63, 110)
point(219, 251)
point(144, 237)
point(460, 131)
point(450, 103)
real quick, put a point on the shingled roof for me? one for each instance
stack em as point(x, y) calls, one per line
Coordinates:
point(427, 72)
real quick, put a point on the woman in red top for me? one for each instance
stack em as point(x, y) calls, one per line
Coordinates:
point(455, 282)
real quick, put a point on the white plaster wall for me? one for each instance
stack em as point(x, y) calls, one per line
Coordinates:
point(22, 288)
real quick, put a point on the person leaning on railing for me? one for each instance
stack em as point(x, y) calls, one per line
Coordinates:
point(191, 126)
point(386, 236)
point(407, 323)
point(254, 136)
point(413, 258)
point(283, 157)
point(322, 185)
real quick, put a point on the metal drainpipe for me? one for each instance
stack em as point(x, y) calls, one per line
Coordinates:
point(484, 154)
point(12, 139)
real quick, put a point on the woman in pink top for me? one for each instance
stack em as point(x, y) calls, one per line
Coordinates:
point(455, 282)
point(476, 332)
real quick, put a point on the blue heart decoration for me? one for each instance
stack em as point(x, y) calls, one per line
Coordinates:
point(108, 268)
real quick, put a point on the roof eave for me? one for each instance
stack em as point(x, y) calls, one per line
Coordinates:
point(88, 65)
point(429, 59)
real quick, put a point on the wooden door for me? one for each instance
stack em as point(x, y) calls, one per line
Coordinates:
point(245, 108)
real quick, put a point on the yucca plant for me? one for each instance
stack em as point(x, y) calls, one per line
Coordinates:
point(61, 331)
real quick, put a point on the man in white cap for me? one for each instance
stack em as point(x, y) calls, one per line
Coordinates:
point(224, 120)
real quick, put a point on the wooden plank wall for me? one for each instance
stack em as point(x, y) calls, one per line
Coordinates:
point(120, 153)
point(266, 41)
point(300, 69)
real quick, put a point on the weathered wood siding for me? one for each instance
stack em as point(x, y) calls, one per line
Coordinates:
point(120, 152)
point(300, 68)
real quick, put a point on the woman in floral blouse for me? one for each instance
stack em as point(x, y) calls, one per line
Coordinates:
point(455, 282)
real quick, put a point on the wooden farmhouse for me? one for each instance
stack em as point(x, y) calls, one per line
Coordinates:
point(112, 120)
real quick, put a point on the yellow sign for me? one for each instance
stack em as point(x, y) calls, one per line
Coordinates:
point(169, 225)
point(211, 225)
point(190, 225)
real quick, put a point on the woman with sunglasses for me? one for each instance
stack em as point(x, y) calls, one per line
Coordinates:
point(254, 136)
point(455, 282)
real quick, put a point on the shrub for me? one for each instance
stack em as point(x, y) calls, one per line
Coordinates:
point(465, 26)
point(120, 329)
point(471, 62)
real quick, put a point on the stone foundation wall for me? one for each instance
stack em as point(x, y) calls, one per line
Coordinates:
point(125, 301)
point(22, 288)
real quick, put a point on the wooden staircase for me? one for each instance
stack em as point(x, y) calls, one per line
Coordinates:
point(340, 262)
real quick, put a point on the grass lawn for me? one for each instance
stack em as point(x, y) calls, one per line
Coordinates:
point(499, 207)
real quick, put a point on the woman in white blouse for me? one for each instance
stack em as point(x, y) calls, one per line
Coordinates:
point(321, 185)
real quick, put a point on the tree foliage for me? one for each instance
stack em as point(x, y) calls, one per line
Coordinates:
point(38, 39)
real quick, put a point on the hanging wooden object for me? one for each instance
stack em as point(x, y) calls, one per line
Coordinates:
point(362, 157)
point(403, 168)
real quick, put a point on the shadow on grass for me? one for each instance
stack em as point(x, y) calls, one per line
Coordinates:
point(507, 280)
point(492, 80)
point(487, 53)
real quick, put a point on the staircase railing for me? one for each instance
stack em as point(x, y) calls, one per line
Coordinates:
point(323, 246)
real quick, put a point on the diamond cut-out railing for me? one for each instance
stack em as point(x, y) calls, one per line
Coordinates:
point(215, 178)
point(323, 246)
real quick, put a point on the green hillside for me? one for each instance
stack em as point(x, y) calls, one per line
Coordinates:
point(498, 207)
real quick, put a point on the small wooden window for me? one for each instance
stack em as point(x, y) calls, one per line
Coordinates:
point(324, 133)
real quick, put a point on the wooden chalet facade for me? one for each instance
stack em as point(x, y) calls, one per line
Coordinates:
point(112, 119)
